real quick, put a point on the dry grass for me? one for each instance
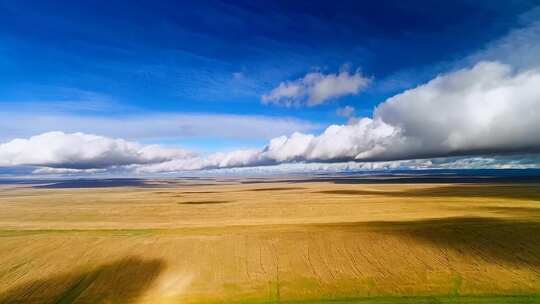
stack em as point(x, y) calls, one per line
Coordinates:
point(268, 242)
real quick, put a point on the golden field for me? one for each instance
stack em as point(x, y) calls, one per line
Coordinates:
point(271, 242)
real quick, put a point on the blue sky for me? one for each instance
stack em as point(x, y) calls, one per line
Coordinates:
point(182, 57)
point(99, 61)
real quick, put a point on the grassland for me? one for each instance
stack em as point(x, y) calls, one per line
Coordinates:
point(302, 242)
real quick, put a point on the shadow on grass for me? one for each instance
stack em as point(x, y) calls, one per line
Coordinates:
point(95, 183)
point(528, 192)
point(199, 192)
point(209, 202)
point(274, 189)
point(513, 211)
point(120, 282)
point(513, 242)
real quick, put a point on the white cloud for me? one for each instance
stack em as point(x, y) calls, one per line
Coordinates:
point(477, 162)
point(489, 108)
point(82, 151)
point(238, 158)
point(486, 109)
point(316, 88)
point(66, 171)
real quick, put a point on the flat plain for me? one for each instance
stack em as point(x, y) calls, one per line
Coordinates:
point(270, 242)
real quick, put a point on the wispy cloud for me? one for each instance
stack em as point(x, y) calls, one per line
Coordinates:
point(519, 48)
point(152, 126)
point(346, 111)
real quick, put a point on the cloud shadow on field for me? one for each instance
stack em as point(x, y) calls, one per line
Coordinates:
point(513, 242)
point(513, 211)
point(274, 189)
point(123, 281)
point(209, 202)
point(526, 192)
point(199, 192)
point(95, 183)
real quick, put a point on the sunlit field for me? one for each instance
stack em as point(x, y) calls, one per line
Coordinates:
point(270, 242)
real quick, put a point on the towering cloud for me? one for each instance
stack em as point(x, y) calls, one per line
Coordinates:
point(489, 108)
point(316, 88)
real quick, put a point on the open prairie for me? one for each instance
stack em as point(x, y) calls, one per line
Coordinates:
point(270, 242)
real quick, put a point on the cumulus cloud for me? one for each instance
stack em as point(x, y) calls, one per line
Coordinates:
point(316, 88)
point(234, 159)
point(82, 151)
point(490, 108)
point(487, 109)
point(66, 171)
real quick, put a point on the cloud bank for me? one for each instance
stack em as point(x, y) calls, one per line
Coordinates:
point(489, 108)
point(316, 88)
point(82, 151)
